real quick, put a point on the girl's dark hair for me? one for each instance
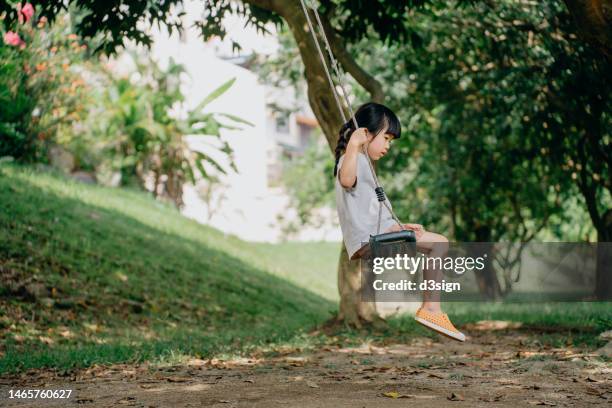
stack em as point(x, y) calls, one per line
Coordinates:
point(374, 117)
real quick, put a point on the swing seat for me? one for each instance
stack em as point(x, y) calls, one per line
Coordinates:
point(389, 243)
point(391, 237)
point(377, 243)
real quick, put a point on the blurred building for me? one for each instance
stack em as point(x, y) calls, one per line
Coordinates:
point(289, 132)
point(250, 202)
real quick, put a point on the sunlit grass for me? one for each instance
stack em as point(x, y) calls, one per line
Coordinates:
point(128, 279)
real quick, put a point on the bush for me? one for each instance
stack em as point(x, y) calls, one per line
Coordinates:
point(41, 88)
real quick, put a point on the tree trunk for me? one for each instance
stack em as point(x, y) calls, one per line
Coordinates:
point(587, 150)
point(593, 19)
point(488, 283)
point(603, 277)
point(353, 312)
point(320, 96)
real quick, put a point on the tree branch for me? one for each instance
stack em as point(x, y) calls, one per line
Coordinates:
point(588, 190)
point(271, 5)
point(349, 64)
point(592, 18)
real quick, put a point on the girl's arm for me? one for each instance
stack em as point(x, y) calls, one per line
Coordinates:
point(348, 171)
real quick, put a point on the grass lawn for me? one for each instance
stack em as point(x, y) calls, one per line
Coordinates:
point(91, 274)
point(124, 277)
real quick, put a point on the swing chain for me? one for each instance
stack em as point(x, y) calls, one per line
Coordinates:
point(341, 82)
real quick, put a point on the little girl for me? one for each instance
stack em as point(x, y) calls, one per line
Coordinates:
point(358, 205)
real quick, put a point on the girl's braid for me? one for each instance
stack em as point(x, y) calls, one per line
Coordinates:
point(345, 135)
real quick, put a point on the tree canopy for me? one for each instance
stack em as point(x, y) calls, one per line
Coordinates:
point(507, 93)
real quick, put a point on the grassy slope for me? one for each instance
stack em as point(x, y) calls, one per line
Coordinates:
point(107, 253)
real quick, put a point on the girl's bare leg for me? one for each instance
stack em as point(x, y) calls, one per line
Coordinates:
point(434, 246)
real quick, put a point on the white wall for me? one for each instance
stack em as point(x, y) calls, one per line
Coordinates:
point(250, 207)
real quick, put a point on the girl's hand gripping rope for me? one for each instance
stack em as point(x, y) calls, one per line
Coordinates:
point(360, 137)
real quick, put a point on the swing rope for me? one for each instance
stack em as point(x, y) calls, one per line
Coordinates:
point(380, 194)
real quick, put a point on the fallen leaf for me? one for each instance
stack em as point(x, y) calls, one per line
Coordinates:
point(493, 325)
point(491, 399)
point(395, 395)
point(176, 379)
point(455, 397)
point(425, 396)
point(594, 391)
point(121, 276)
point(91, 327)
point(66, 334)
point(46, 340)
point(607, 335)
point(526, 354)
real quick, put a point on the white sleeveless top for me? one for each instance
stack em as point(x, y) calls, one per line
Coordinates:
point(358, 207)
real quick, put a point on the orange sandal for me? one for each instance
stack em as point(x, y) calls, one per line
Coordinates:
point(440, 323)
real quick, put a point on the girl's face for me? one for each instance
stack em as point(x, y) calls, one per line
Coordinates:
point(379, 146)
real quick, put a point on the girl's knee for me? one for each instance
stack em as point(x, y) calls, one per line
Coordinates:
point(441, 238)
point(440, 243)
point(435, 237)
point(432, 242)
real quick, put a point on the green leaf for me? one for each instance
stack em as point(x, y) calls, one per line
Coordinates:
point(236, 119)
point(200, 167)
point(215, 94)
point(189, 172)
point(210, 160)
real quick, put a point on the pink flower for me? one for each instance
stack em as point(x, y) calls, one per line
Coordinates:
point(26, 12)
point(12, 38)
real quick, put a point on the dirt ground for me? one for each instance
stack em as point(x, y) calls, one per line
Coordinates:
point(492, 368)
